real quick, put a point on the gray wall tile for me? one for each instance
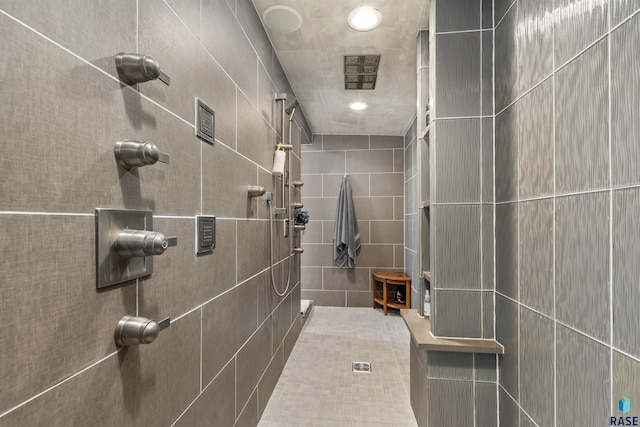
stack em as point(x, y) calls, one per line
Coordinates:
point(458, 259)
point(216, 403)
point(387, 231)
point(387, 184)
point(625, 129)
point(488, 236)
point(507, 334)
point(254, 257)
point(535, 154)
point(488, 160)
point(582, 149)
point(317, 256)
point(117, 379)
point(537, 367)
point(281, 319)
point(457, 15)
point(455, 366)
point(398, 160)
point(378, 256)
point(369, 161)
point(95, 33)
point(410, 157)
point(450, 403)
point(506, 67)
point(621, 9)
point(359, 299)
point(181, 280)
point(252, 360)
point(250, 22)
point(582, 263)
point(458, 74)
point(225, 328)
point(501, 8)
point(535, 42)
point(577, 29)
point(626, 377)
point(487, 69)
point(582, 370)
point(313, 232)
point(222, 30)
point(270, 379)
point(345, 142)
point(506, 155)
point(312, 185)
point(373, 208)
point(346, 279)
point(487, 13)
point(536, 255)
point(457, 313)
point(382, 141)
point(326, 298)
point(218, 196)
point(488, 314)
point(58, 282)
point(485, 367)
point(509, 412)
point(311, 277)
point(626, 227)
point(418, 387)
point(249, 415)
point(359, 184)
point(486, 405)
point(323, 162)
point(457, 166)
point(507, 249)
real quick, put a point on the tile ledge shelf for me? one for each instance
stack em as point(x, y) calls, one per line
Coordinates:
point(421, 332)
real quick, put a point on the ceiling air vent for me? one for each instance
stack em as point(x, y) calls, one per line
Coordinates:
point(361, 72)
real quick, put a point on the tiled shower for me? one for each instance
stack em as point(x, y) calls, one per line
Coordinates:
point(550, 178)
point(63, 109)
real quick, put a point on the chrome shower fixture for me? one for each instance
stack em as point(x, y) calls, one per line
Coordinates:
point(286, 146)
point(291, 109)
point(298, 184)
point(298, 250)
point(130, 154)
point(297, 205)
point(255, 190)
point(135, 68)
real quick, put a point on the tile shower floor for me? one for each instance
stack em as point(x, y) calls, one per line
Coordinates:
point(317, 386)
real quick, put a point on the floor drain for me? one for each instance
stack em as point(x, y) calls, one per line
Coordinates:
point(364, 367)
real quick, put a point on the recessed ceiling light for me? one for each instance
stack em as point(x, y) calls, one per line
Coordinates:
point(364, 18)
point(358, 105)
point(282, 18)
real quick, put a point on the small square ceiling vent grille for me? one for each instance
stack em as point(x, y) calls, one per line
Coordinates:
point(361, 71)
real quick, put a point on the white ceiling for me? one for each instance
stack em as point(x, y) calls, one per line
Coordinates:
point(312, 58)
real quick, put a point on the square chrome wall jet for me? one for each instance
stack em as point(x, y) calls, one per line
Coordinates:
point(205, 122)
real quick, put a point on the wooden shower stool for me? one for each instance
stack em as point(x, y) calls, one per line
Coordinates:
point(394, 278)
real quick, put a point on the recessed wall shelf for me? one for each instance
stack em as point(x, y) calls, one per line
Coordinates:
point(420, 329)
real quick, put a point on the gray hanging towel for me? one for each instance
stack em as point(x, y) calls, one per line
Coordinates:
point(346, 237)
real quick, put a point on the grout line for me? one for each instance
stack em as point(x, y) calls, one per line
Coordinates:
point(610, 119)
point(554, 230)
point(503, 16)
point(478, 30)
point(47, 213)
point(473, 117)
